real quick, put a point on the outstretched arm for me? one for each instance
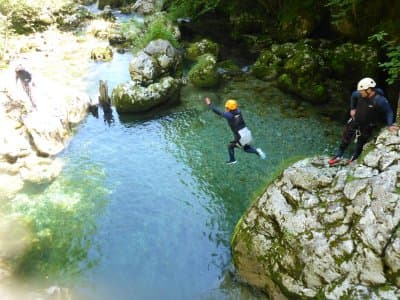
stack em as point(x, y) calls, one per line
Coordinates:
point(207, 100)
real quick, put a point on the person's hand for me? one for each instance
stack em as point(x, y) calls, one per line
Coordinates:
point(207, 100)
point(352, 113)
point(393, 127)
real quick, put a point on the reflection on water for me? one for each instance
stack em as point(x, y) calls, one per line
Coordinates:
point(153, 203)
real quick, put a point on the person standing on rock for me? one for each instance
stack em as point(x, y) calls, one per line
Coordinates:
point(242, 135)
point(26, 81)
point(367, 104)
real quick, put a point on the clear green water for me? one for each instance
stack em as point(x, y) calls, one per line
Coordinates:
point(155, 204)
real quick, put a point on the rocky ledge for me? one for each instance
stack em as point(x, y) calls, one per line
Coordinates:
point(327, 233)
point(33, 131)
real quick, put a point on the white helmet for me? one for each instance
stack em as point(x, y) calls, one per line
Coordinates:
point(365, 83)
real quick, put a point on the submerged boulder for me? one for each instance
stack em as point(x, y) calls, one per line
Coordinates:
point(329, 233)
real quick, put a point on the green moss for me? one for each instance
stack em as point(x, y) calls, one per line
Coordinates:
point(350, 178)
point(367, 149)
point(204, 73)
point(202, 47)
point(159, 28)
point(285, 81)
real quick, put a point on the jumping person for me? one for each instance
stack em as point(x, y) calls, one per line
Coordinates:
point(242, 135)
point(367, 104)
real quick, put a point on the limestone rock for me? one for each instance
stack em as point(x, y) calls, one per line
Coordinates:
point(132, 97)
point(326, 232)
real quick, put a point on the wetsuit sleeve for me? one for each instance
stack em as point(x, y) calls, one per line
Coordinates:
point(354, 99)
point(226, 115)
point(383, 104)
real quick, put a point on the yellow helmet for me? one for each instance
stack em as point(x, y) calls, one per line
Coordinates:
point(231, 104)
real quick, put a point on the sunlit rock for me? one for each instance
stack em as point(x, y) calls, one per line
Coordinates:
point(167, 57)
point(102, 53)
point(144, 7)
point(35, 127)
point(101, 28)
point(144, 68)
point(326, 232)
point(152, 71)
point(132, 97)
point(10, 185)
point(158, 59)
point(40, 170)
point(73, 16)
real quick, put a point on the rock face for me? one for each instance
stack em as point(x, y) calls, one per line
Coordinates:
point(327, 232)
point(32, 134)
point(144, 7)
point(152, 84)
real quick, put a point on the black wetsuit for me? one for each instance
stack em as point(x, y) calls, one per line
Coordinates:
point(26, 79)
point(368, 113)
point(236, 123)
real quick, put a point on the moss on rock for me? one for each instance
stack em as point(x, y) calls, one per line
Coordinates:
point(204, 72)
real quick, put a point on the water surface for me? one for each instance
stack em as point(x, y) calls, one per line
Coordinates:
point(173, 203)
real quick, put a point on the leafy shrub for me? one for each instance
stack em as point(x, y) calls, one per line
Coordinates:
point(392, 48)
point(191, 8)
point(159, 28)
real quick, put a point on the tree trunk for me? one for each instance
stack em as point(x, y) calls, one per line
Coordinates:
point(103, 94)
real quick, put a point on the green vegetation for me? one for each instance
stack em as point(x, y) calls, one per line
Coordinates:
point(342, 8)
point(203, 73)
point(132, 28)
point(159, 27)
point(191, 8)
point(392, 65)
point(22, 17)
